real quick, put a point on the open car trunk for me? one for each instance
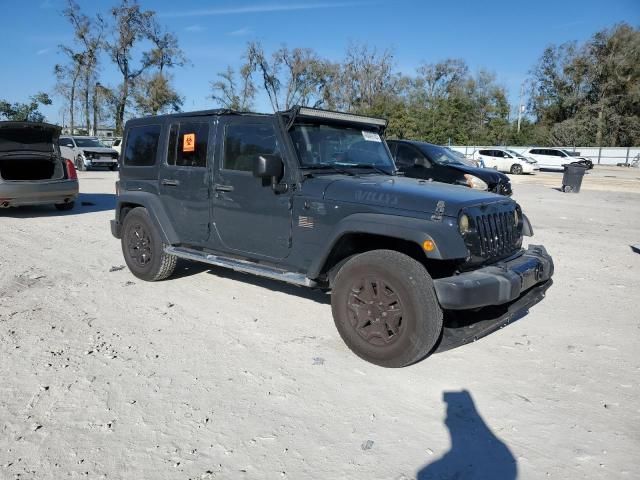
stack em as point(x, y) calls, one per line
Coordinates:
point(31, 168)
point(29, 152)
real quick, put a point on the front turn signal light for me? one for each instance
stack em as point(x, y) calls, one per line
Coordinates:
point(428, 245)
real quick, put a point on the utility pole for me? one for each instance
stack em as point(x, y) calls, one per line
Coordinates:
point(520, 106)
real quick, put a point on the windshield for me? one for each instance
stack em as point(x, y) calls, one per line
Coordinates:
point(88, 142)
point(441, 155)
point(517, 155)
point(326, 146)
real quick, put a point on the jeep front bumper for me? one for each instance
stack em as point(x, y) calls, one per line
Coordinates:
point(495, 284)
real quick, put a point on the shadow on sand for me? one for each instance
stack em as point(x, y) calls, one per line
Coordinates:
point(85, 203)
point(475, 453)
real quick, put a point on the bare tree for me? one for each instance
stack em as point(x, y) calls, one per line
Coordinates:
point(131, 26)
point(366, 76)
point(289, 77)
point(166, 52)
point(67, 77)
point(89, 34)
point(228, 94)
point(439, 80)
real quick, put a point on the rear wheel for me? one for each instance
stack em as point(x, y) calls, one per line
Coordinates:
point(143, 248)
point(516, 169)
point(385, 308)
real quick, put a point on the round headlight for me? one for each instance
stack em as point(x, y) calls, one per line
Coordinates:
point(463, 224)
point(475, 182)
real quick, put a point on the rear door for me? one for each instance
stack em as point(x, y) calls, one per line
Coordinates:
point(184, 178)
point(249, 217)
point(488, 158)
point(67, 148)
point(504, 160)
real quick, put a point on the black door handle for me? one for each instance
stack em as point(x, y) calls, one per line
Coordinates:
point(223, 188)
point(171, 183)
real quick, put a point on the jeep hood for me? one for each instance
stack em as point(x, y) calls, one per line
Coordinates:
point(403, 193)
point(28, 137)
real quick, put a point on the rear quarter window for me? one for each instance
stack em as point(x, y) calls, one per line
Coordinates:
point(142, 146)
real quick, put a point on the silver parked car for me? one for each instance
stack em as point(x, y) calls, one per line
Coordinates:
point(88, 152)
point(32, 170)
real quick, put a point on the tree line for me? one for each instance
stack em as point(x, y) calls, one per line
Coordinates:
point(575, 94)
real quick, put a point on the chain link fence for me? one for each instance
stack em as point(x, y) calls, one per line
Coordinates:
point(627, 156)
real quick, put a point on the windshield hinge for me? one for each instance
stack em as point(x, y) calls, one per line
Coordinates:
point(437, 215)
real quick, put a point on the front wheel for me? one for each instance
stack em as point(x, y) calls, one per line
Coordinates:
point(516, 169)
point(143, 248)
point(385, 308)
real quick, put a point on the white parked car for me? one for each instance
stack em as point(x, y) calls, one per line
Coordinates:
point(556, 158)
point(117, 145)
point(88, 152)
point(505, 160)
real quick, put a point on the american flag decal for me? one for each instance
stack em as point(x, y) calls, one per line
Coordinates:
point(305, 222)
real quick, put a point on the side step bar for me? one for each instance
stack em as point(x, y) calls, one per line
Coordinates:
point(241, 266)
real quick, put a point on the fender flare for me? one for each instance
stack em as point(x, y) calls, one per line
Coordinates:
point(449, 244)
point(156, 211)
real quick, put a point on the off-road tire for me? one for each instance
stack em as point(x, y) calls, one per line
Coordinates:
point(516, 169)
point(380, 334)
point(63, 207)
point(143, 248)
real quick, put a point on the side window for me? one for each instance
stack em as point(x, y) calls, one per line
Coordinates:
point(498, 153)
point(65, 142)
point(142, 146)
point(188, 143)
point(406, 156)
point(488, 153)
point(392, 148)
point(244, 141)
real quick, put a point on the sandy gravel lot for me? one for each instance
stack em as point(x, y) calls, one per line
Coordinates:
point(215, 374)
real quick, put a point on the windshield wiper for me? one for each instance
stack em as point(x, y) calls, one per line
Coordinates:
point(370, 167)
point(327, 167)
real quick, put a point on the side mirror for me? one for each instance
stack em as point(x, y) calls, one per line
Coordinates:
point(270, 167)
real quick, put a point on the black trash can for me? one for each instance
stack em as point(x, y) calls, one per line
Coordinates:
point(572, 177)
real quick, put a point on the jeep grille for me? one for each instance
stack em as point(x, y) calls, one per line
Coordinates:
point(494, 233)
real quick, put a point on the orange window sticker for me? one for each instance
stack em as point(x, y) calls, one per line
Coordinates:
point(189, 142)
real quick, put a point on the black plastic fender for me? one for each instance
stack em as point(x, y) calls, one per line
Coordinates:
point(448, 241)
point(156, 211)
point(527, 229)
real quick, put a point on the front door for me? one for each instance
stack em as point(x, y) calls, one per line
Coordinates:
point(249, 217)
point(184, 178)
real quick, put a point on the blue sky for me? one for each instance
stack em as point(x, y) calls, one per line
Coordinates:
point(504, 37)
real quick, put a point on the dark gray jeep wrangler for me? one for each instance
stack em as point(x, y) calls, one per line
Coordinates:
point(311, 197)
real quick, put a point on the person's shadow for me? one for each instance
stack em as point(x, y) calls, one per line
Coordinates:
point(476, 453)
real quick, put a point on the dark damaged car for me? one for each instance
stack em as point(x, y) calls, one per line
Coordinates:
point(439, 164)
point(32, 170)
point(311, 197)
